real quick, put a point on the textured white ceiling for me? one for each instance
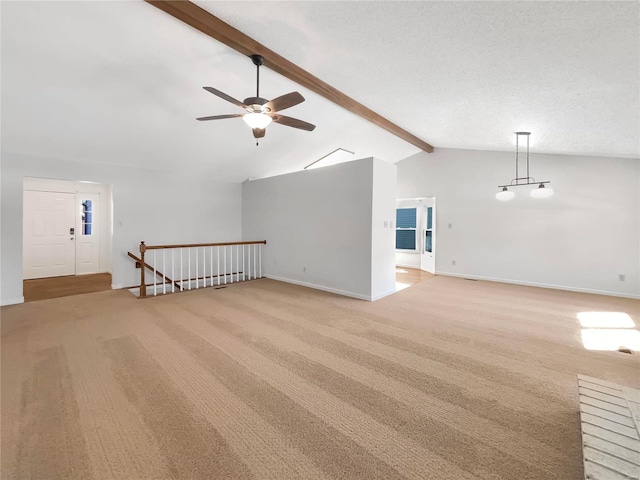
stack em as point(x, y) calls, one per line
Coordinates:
point(120, 82)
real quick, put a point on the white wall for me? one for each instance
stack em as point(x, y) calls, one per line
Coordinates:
point(318, 226)
point(579, 239)
point(383, 261)
point(155, 207)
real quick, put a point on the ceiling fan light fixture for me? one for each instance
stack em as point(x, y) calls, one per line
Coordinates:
point(505, 195)
point(541, 191)
point(257, 120)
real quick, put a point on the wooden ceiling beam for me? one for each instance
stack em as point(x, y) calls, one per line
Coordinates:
point(210, 25)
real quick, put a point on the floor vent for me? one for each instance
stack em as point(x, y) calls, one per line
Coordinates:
point(471, 279)
point(218, 288)
point(625, 350)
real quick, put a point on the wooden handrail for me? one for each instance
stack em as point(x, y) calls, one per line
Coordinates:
point(189, 245)
point(144, 248)
point(158, 272)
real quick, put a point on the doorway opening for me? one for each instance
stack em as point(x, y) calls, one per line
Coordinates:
point(67, 229)
point(416, 235)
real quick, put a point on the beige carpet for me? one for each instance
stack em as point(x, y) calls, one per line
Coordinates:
point(448, 379)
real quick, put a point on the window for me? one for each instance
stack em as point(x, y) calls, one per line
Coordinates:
point(87, 217)
point(428, 234)
point(406, 229)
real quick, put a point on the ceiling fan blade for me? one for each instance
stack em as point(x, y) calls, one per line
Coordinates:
point(285, 101)
point(224, 96)
point(259, 132)
point(220, 117)
point(293, 122)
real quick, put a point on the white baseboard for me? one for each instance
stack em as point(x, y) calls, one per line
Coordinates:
point(405, 265)
point(359, 296)
point(541, 285)
point(11, 301)
point(117, 286)
point(382, 295)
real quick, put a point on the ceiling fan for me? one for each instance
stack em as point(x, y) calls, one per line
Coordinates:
point(260, 111)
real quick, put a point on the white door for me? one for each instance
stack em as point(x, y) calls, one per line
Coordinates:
point(87, 234)
point(48, 234)
point(428, 241)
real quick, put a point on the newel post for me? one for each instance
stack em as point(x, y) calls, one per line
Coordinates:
point(143, 284)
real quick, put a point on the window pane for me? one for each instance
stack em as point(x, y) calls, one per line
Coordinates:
point(405, 239)
point(406, 218)
point(87, 216)
point(427, 241)
point(429, 217)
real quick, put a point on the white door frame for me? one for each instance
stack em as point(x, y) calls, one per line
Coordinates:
point(428, 259)
point(103, 215)
point(418, 258)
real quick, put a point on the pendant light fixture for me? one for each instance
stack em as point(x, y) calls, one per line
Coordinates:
point(505, 194)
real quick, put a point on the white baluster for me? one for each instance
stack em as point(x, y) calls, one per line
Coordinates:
point(237, 263)
point(243, 269)
point(196, 268)
point(154, 273)
point(181, 274)
point(225, 265)
point(173, 277)
point(249, 262)
point(260, 259)
point(231, 262)
point(254, 261)
point(189, 261)
point(164, 274)
point(211, 266)
point(218, 265)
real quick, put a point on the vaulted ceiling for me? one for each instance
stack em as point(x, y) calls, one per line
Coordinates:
point(121, 82)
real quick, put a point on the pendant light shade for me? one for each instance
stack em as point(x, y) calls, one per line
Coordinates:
point(505, 195)
point(257, 120)
point(541, 192)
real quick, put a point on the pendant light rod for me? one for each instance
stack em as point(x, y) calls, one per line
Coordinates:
point(540, 192)
point(528, 180)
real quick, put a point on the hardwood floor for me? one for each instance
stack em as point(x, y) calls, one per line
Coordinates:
point(406, 277)
point(54, 287)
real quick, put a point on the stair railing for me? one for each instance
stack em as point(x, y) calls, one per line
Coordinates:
point(214, 264)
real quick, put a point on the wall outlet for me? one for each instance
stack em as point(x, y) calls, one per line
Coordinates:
point(453, 262)
point(621, 277)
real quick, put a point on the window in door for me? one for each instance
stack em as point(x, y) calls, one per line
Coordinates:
point(428, 239)
point(406, 229)
point(87, 217)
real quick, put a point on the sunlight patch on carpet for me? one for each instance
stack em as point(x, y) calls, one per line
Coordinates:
point(610, 339)
point(605, 320)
